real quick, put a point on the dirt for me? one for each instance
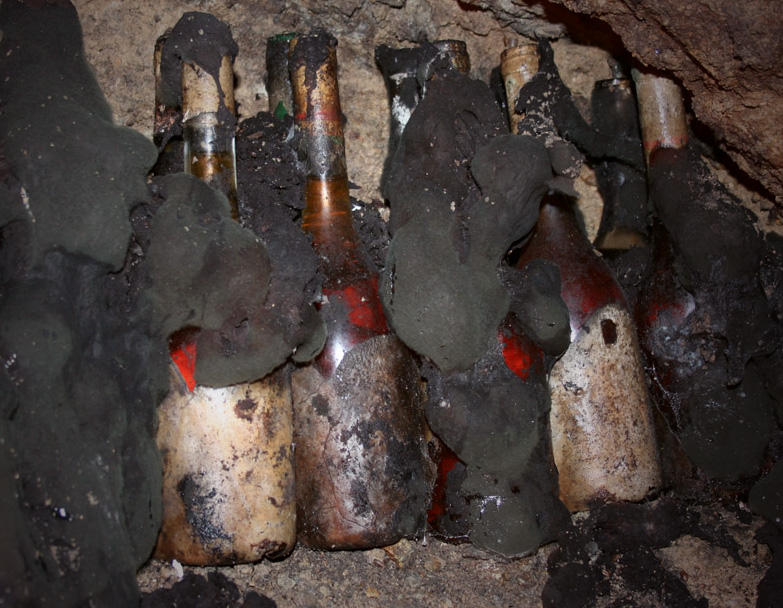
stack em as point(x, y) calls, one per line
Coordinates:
point(708, 557)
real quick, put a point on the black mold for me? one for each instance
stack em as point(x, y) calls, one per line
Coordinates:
point(454, 175)
point(196, 591)
point(82, 373)
point(56, 122)
point(197, 39)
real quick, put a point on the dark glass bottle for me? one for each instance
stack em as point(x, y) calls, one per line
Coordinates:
point(227, 459)
point(400, 68)
point(623, 187)
point(361, 466)
point(405, 73)
point(664, 305)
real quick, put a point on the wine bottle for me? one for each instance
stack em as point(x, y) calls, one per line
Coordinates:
point(603, 439)
point(361, 470)
point(602, 430)
point(227, 457)
point(664, 305)
point(402, 69)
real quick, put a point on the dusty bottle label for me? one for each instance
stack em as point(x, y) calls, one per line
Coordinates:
point(228, 482)
point(603, 437)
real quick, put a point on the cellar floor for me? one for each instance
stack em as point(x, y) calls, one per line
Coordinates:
point(722, 571)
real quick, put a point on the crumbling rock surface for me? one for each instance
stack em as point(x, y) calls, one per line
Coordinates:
point(727, 55)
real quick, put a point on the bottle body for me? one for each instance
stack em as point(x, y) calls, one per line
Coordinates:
point(228, 479)
point(228, 485)
point(359, 426)
point(603, 437)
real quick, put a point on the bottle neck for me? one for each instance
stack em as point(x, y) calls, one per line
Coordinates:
point(661, 113)
point(327, 214)
point(587, 284)
point(317, 111)
point(518, 66)
point(210, 154)
point(208, 127)
point(614, 108)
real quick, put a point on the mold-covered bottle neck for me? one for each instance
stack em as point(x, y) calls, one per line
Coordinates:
point(518, 65)
point(327, 215)
point(209, 128)
point(587, 284)
point(317, 111)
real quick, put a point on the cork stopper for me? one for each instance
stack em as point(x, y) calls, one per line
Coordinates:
point(201, 93)
point(661, 112)
point(518, 64)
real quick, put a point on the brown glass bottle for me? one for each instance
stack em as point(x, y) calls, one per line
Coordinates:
point(359, 428)
point(603, 440)
point(228, 493)
point(602, 430)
